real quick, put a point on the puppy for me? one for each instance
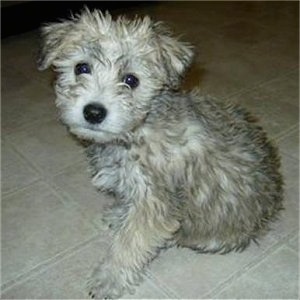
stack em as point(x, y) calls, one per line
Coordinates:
point(185, 169)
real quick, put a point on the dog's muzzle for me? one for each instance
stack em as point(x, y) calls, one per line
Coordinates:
point(94, 113)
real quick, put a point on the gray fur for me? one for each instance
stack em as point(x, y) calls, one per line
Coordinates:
point(185, 169)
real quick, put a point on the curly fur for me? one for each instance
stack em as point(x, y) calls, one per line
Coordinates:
point(185, 169)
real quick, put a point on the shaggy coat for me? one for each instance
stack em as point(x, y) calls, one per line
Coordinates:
point(185, 169)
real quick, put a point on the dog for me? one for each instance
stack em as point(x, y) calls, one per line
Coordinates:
point(186, 169)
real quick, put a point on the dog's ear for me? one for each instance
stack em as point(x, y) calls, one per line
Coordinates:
point(176, 55)
point(54, 37)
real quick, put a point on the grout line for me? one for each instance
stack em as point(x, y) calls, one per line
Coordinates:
point(161, 285)
point(260, 84)
point(250, 266)
point(284, 133)
point(292, 236)
point(48, 263)
point(27, 125)
point(67, 199)
point(47, 179)
point(36, 167)
point(20, 189)
point(292, 249)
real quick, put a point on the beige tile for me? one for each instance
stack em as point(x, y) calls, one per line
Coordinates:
point(20, 53)
point(294, 242)
point(288, 220)
point(289, 144)
point(244, 33)
point(189, 16)
point(202, 13)
point(193, 275)
point(16, 172)
point(227, 75)
point(276, 111)
point(68, 277)
point(269, 13)
point(11, 80)
point(282, 19)
point(26, 104)
point(75, 183)
point(247, 67)
point(37, 226)
point(276, 277)
point(64, 279)
point(17, 48)
point(48, 146)
point(294, 76)
point(241, 52)
point(224, 70)
point(284, 89)
point(278, 55)
point(147, 290)
point(290, 170)
point(230, 68)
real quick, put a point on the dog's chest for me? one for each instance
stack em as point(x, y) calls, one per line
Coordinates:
point(152, 158)
point(116, 168)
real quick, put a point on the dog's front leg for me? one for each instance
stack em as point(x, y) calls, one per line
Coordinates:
point(143, 231)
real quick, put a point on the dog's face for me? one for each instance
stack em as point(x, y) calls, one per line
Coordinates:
point(108, 71)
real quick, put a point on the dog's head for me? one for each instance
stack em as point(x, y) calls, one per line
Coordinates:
point(108, 71)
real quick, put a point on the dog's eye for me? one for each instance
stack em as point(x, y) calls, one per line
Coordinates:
point(131, 80)
point(82, 68)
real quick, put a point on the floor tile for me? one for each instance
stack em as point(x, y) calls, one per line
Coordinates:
point(276, 112)
point(193, 275)
point(16, 172)
point(283, 89)
point(284, 40)
point(26, 104)
point(68, 278)
point(231, 65)
point(22, 48)
point(244, 33)
point(227, 72)
point(48, 146)
point(35, 227)
point(203, 13)
point(289, 144)
point(76, 184)
point(294, 242)
point(21, 54)
point(147, 290)
point(65, 279)
point(294, 76)
point(12, 79)
point(278, 56)
point(275, 15)
point(288, 220)
point(276, 277)
point(290, 170)
point(224, 70)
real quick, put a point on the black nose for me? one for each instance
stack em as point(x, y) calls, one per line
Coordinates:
point(94, 113)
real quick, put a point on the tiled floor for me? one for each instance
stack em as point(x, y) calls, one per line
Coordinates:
point(51, 234)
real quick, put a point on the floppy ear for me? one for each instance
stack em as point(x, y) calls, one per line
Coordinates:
point(54, 38)
point(175, 55)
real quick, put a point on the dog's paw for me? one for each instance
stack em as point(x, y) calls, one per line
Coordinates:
point(103, 284)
